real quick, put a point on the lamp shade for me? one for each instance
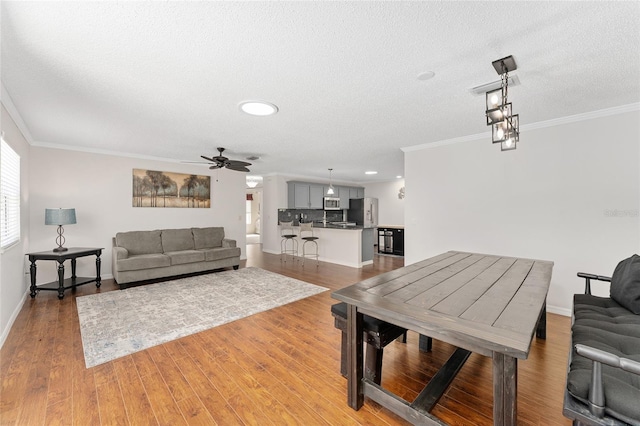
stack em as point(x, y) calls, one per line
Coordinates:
point(59, 216)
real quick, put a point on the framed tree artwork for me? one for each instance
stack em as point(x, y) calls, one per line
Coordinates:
point(153, 188)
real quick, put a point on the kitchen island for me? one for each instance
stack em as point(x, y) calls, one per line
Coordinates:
point(345, 245)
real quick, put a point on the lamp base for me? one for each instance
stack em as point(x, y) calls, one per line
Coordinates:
point(59, 249)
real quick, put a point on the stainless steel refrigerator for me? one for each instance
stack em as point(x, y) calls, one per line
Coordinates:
point(364, 212)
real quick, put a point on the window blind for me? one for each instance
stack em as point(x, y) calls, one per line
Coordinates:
point(9, 196)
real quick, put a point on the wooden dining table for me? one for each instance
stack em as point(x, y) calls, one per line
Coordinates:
point(487, 304)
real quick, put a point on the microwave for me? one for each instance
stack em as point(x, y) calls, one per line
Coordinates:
point(332, 203)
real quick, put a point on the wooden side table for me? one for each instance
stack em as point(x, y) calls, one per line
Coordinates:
point(63, 284)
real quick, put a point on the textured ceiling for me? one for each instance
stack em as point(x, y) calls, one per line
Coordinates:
point(164, 79)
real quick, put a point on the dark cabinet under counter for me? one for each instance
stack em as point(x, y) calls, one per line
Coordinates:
point(391, 240)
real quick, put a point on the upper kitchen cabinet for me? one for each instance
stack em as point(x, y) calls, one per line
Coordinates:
point(356, 192)
point(305, 195)
point(316, 194)
point(343, 192)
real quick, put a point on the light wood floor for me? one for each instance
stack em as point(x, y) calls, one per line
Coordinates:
point(277, 367)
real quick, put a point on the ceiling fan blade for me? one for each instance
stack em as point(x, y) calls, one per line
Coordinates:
point(237, 163)
point(215, 166)
point(237, 168)
point(208, 159)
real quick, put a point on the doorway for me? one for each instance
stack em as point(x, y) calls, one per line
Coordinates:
point(253, 213)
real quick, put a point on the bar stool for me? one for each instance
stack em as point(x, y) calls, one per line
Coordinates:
point(288, 234)
point(306, 234)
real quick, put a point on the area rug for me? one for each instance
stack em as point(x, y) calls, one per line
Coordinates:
point(118, 323)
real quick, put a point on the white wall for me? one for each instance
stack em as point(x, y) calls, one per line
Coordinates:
point(99, 187)
point(274, 197)
point(13, 281)
point(390, 207)
point(569, 193)
point(256, 206)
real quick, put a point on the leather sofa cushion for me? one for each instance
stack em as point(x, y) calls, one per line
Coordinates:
point(207, 237)
point(603, 324)
point(143, 261)
point(177, 239)
point(185, 256)
point(220, 253)
point(140, 242)
point(625, 284)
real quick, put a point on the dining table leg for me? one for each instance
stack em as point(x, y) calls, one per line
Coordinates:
point(355, 388)
point(505, 390)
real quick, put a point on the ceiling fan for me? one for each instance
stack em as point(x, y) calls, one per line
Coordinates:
point(220, 161)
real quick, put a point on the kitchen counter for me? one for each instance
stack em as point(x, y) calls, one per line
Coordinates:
point(345, 245)
point(390, 226)
point(318, 225)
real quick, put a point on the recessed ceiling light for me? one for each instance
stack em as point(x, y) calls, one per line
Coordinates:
point(427, 75)
point(260, 108)
point(398, 177)
point(371, 172)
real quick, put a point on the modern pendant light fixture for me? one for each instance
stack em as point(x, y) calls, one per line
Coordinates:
point(330, 190)
point(505, 126)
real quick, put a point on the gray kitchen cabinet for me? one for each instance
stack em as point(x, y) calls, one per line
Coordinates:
point(343, 193)
point(307, 195)
point(316, 195)
point(303, 195)
point(356, 192)
point(299, 195)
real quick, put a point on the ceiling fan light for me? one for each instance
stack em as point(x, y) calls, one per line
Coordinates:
point(259, 108)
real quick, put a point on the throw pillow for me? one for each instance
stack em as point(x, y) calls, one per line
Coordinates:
point(208, 237)
point(625, 284)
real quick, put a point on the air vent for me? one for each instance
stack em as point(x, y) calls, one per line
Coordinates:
point(253, 158)
point(484, 88)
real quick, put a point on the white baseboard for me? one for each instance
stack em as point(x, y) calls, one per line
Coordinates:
point(558, 310)
point(12, 319)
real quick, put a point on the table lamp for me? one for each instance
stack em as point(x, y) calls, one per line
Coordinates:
point(59, 217)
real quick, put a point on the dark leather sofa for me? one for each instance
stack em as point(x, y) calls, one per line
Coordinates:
point(603, 381)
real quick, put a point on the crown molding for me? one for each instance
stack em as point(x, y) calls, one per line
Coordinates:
point(622, 109)
point(7, 102)
point(104, 152)
point(533, 126)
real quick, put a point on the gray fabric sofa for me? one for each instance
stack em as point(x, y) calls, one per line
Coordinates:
point(149, 255)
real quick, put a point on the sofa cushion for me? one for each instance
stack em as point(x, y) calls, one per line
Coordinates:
point(143, 261)
point(177, 239)
point(220, 253)
point(625, 284)
point(140, 242)
point(207, 237)
point(185, 256)
point(603, 324)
